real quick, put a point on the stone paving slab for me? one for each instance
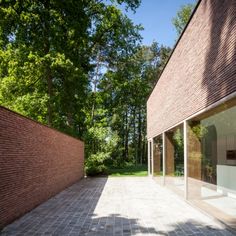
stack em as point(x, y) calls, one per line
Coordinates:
point(122, 206)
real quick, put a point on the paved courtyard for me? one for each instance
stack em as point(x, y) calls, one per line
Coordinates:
point(115, 207)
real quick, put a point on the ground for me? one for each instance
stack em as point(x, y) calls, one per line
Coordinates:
point(115, 207)
point(138, 170)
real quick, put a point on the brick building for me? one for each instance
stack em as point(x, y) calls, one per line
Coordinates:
point(191, 113)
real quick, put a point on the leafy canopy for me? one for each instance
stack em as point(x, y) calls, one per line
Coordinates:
point(182, 17)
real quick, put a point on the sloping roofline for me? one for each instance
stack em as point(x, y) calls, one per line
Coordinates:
point(176, 44)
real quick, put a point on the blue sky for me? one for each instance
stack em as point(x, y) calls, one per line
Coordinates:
point(156, 18)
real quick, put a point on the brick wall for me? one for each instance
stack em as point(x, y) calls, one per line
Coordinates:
point(201, 70)
point(36, 162)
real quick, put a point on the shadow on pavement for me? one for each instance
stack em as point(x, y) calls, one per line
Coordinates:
point(72, 212)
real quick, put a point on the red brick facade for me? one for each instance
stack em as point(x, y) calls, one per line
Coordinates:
point(201, 70)
point(36, 162)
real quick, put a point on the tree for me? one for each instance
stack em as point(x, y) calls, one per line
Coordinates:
point(182, 17)
point(47, 55)
point(123, 90)
point(79, 66)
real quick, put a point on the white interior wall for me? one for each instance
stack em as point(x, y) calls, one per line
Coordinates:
point(225, 124)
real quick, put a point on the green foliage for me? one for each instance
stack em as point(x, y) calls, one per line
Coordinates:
point(124, 89)
point(178, 138)
point(100, 144)
point(95, 164)
point(129, 170)
point(119, 102)
point(179, 148)
point(101, 139)
point(43, 74)
point(78, 66)
point(199, 130)
point(182, 17)
point(47, 51)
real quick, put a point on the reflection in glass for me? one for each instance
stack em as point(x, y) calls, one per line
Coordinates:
point(157, 156)
point(150, 159)
point(175, 159)
point(212, 162)
point(175, 152)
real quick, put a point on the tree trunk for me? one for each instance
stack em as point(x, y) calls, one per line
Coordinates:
point(48, 73)
point(126, 136)
point(122, 127)
point(49, 84)
point(140, 136)
point(134, 136)
point(95, 81)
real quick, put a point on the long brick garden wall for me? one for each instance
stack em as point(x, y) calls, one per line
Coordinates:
point(36, 162)
point(201, 69)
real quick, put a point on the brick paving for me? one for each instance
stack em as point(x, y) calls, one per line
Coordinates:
point(120, 206)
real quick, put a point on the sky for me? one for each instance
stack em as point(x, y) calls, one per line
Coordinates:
point(156, 18)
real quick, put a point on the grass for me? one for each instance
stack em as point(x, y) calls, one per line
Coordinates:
point(140, 170)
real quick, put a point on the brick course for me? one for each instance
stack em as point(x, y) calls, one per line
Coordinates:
point(36, 162)
point(201, 70)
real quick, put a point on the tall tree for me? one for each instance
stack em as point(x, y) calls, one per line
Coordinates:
point(124, 89)
point(182, 17)
point(78, 66)
point(47, 54)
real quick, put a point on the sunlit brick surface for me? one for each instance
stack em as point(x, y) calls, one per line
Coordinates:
point(201, 70)
point(36, 162)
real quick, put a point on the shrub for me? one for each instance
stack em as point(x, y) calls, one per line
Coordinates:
point(95, 164)
point(101, 143)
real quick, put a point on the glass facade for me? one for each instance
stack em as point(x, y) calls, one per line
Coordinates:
point(211, 161)
point(158, 159)
point(174, 153)
point(150, 157)
point(157, 156)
